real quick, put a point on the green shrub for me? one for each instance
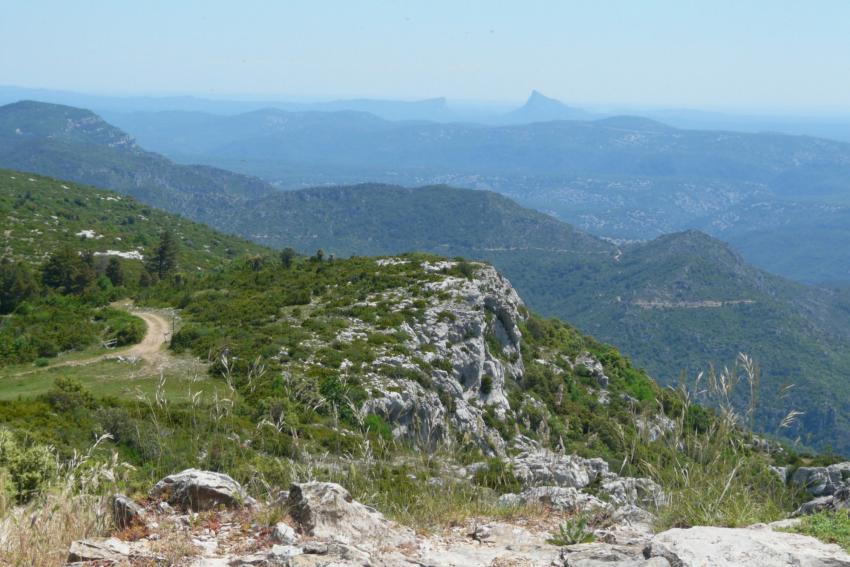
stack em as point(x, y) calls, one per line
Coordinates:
point(830, 526)
point(24, 471)
point(377, 425)
point(572, 532)
point(499, 476)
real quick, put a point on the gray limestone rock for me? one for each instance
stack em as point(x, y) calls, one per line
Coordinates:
point(197, 490)
point(125, 512)
point(734, 547)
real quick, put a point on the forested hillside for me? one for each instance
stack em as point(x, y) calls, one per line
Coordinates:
point(676, 304)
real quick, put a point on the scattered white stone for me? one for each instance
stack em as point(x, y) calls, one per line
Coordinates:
point(284, 534)
point(130, 255)
point(391, 262)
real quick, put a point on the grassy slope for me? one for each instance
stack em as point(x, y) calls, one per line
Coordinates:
point(41, 214)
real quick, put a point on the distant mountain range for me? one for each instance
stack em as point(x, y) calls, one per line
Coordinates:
point(624, 178)
point(75, 144)
point(674, 304)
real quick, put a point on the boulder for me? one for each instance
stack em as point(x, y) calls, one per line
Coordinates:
point(125, 512)
point(594, 367)
point(545, 468)
point(821, 481)
point(284, 534)
point(278, 555)
point(839, 500)
point(628, 525)
point(633, 491)
point(560, 498)
point(199, 490)
point(733, 547)
point(327, 511)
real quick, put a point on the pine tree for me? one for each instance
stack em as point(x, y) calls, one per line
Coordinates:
point(67, 271)
point(115, 272)
point(17, 284)
point(287, 255)
point(164, 259)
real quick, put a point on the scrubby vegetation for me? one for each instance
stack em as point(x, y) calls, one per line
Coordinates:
point(70, 250)
point(832, 527)
point(294, 344)
point(270, 330)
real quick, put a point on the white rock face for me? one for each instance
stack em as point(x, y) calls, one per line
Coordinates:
point(197, 490)
point(471, 338)
point(565, 499)
point(107, 551)
point(604, 555)
point(545, 468)
point(753, 547)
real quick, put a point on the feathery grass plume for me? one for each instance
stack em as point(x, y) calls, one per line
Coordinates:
point(718, 477)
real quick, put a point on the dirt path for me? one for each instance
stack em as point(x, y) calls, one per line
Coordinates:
point(158, 332)
point(149, 349)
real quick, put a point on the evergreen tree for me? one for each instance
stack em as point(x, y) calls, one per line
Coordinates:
point(17, 284)
point(67, 271)
point(287, 255)
point(164, 259)
point(115, 272)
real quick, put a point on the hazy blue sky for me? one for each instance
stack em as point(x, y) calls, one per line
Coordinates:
point(746, 54)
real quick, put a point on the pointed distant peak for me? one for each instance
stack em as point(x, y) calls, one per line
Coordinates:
point(536, 97)
point(541, 108)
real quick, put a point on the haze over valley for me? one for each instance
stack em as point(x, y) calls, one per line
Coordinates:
point(334, 284)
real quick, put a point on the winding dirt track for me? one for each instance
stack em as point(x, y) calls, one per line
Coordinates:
point(157, 333)
point(149, 349)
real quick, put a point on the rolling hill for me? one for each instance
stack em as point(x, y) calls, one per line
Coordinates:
point(676, 304)
point(41, 214)
point(680, 302)
point(626, 178)
point(49, 139)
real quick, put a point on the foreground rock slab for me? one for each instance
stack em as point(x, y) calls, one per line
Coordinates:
point(754, 547)
point(198, 490)
point(107, 551)
point(603, 555)
point(327, 510)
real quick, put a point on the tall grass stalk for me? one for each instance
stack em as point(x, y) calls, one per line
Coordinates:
point(718, 477)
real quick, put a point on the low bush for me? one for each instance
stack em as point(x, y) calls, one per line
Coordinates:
point(830, 526)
